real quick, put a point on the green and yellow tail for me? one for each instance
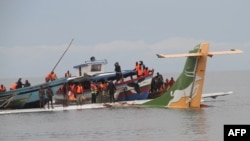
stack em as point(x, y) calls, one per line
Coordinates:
point(187, 90)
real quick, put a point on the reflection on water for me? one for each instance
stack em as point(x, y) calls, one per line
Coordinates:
point(195, 125)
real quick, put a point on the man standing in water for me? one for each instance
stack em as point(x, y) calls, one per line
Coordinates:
point(41, 96)
point(50, 95)
point(111, 90)
point(93, 89)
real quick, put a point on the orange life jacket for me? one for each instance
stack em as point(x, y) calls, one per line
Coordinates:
point(13, 86)
point(2, 89)
point(101, 86)
point(53, 76)
point(140, 72)
point(137, 67)
point(145, 72)
point(79, 89)
point(48, 77)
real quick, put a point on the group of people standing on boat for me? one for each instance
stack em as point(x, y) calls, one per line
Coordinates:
point(158, 84)
point(141, 69)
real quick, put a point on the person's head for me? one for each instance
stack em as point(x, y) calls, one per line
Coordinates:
point(141, 62)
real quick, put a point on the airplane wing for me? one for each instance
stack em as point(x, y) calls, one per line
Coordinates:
point(215, 95)
point(210, 54)
point(232, 51)
point(178, 55)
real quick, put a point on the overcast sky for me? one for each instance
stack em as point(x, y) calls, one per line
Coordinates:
point(35, 33)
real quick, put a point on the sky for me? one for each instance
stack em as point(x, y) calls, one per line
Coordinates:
point(35, 33)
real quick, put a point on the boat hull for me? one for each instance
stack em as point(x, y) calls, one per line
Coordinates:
point(28, 97)
point(132, 88)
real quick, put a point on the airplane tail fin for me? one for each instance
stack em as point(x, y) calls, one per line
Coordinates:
point(187, 90)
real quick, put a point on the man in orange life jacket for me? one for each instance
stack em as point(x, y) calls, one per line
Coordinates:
point(50, 76)
point(146, 71)
point(136, 66)
point(13, 86)
point(79, 94)
point(140, 72)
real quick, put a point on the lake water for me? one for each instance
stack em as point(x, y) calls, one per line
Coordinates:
point(142, 124)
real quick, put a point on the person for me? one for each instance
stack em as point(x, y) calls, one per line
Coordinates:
point(140, 71)
point(118, 72)
point(13, 86)
point(50, 95)
point(136, 66)
point(171, 82)
point(111, 90)
point(50, 76)
point(2, 88)
point(93, 89)
point(19, 83)
point(26, 84)
point(53, 76)
point(65, 96)
point(153, 85)
point(72, 92)
point(146, 71)
point(141, 63)
point(167, 84)
point(159, 82)
point(41, 96)
point(68, 74)
point(101, 89)
point(79, 94)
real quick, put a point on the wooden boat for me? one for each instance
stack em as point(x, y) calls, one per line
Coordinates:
point(131, 88)
point(128, 89)
point(26, 97)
